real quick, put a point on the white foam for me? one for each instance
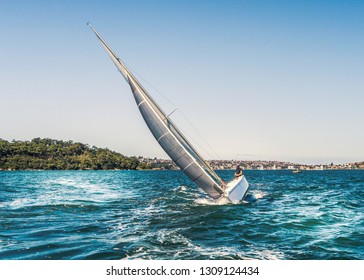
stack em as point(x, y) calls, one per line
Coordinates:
point(270, 255)
point(222, 251)
point(225, 251)
point(182, 189)
point(20, 202)
point(80, 189)
point(17, 203)
point(258, 194)
point(174, 237)
point(211, 201)
point(69, 191)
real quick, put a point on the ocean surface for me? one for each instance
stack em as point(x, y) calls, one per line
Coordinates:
point(162, 215)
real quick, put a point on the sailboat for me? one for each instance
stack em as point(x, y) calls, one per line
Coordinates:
point(174, 143)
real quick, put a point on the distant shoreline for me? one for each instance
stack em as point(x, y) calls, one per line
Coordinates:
point(39, 170)
point(51, 154)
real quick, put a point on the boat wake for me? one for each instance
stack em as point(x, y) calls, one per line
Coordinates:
point(211, 201)
point(251, 197)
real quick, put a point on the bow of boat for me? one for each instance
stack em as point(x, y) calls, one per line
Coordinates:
point(236, 189)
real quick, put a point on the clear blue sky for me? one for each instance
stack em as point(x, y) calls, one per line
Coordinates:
point(276, 80)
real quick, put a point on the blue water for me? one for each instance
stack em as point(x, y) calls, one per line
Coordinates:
point(162, 215)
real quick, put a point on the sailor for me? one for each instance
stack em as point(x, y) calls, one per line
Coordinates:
point(238, 172)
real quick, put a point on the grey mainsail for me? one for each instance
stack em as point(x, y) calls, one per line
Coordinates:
point(178, 148)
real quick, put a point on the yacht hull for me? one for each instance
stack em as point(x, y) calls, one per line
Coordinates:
point(237, 189)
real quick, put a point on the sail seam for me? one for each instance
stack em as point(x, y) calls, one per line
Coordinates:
point(163, 136)
point(187, 166)
point(141, 103)
point(197, 178)
point(181, 155)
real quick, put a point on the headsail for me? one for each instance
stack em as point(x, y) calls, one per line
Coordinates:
point(179, 149)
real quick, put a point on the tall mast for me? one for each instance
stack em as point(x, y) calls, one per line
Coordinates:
point(181, 152)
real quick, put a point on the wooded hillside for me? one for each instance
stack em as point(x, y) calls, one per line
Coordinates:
point(50, 154)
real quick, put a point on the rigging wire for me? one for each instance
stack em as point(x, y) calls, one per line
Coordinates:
point(203, 138)
point(165, 97)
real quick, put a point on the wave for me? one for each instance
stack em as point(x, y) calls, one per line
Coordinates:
point(172, 244)
point(141, 215)
point(66, 191)
point(182, 189)
point(269, 255)
point(258, 194)
point(212, 202)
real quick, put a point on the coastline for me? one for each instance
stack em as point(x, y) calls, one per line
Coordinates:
point(51, 154)
point(175, 169)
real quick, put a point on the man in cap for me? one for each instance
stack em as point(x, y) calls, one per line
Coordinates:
point(238, 172)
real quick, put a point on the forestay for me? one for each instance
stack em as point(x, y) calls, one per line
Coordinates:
point(178, 148)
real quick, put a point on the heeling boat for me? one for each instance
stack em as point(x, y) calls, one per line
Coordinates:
point(174, 143)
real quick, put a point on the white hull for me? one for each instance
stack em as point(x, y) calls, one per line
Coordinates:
point(236, 189)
